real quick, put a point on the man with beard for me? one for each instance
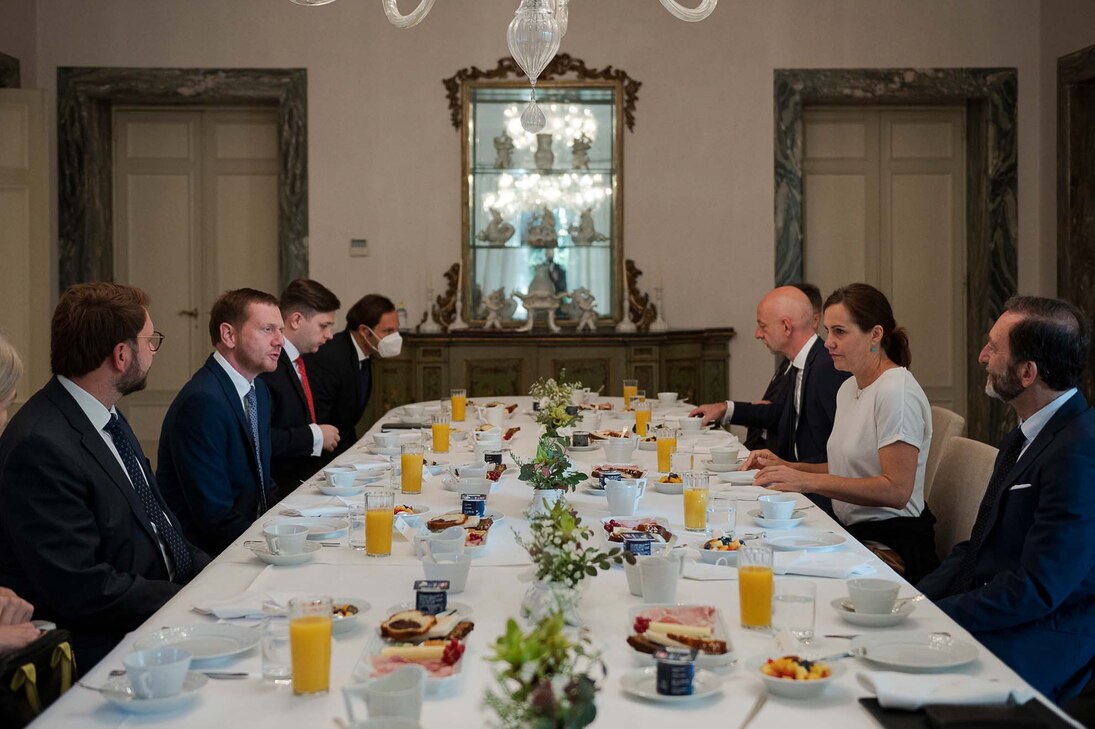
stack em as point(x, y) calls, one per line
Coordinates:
point(1024, 583)
point(214, 459)
point(84, 533)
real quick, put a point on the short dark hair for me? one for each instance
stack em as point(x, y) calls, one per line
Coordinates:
point(368, 310)
point(813, 293)
point(1053, 334)
point(308, 297)
point(89, 321)
point(231, 308)
point(868, 307)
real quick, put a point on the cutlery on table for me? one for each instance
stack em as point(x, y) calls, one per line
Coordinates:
point(757, 706)
point(850, 636)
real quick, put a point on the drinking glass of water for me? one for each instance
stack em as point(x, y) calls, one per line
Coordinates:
point(722, 513)
point(793, 607)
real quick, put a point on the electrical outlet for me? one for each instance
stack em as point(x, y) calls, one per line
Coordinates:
point(359, 247)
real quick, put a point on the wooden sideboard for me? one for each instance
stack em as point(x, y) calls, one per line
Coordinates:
point(694, 363)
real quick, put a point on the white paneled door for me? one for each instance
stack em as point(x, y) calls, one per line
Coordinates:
point(884, 202)
point(195, 201)
point(24, 233)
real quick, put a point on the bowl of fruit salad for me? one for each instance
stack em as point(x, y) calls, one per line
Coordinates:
point(795, 677)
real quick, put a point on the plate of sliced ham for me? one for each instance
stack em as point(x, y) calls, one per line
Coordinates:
point(689, 626)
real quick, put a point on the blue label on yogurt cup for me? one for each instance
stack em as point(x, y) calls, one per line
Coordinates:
point(676, 670)
point(473, 504)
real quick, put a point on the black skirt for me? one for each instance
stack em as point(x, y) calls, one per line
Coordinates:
point(911, 537)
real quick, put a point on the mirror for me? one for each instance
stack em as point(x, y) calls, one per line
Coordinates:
point(542, 213)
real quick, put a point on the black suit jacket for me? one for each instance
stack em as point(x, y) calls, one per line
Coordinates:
point(815, 422)
point(757, 437)
point(334, 372)
point(290, 433)
point(74, 538)
point(1033, 600)
point(207, 466)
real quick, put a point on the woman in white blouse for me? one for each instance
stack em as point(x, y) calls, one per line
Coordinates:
point(879, 444)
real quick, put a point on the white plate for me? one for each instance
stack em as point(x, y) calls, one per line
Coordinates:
point(263, 552)
point(873, 620)
point(117, 691)
point(791, 523)
point(793, 689)
point(914, 651)
point(318, 527)
point(436, 687)
point(382, 451)
point(642, 682)
point(739, 478)
point(344, 624)
point(805, 540)
point(635, 519)
point(205, 642)
point(703, 660)
point(590, 489)
point(463, 610)
point(329, 490)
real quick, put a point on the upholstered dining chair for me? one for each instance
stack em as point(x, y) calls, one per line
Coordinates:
point(960, 482)
point(946, 424)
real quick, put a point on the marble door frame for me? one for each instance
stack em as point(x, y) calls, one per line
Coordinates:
point(989, 96)
point(1075, 255)
point(85, 99)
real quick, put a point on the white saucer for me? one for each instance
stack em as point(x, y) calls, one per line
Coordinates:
point(642, 682)
point(329, 490)
point(388, 451)
point(873, 620)
point(721, 467)
point(791, 523)
point(593, 490)
point(205, 641)
point(118, 692)
point(583, 449)
point(263, 552)
point(318, 527)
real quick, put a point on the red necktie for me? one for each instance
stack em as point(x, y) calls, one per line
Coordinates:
point(307, 388)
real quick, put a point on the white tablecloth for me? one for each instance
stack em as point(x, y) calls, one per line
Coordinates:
point(495, 594)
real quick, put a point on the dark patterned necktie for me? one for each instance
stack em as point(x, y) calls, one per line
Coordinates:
point(1011, 448)
point(180, 552)
point(253, 419)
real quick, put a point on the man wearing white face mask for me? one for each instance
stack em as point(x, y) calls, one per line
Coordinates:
point(342, 379)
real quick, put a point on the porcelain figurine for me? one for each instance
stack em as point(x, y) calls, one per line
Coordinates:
point(503, 151)
point(495, 304)
point(584, 233)
point(585, 301)
point(497, 231)
point(543, 157)
point(579, 152)
point(540, 232)
point(541, 296)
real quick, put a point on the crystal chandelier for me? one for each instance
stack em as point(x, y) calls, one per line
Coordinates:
point(533, 35)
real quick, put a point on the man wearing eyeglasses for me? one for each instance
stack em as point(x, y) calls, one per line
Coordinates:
point(85, 534)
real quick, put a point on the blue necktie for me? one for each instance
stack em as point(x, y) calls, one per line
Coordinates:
point(180, 552)
point(253, 419)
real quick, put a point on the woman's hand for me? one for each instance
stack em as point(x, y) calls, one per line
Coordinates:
point(762, 458)
point(785, 478)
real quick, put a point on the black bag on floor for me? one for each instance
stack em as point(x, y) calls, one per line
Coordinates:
point(32, 677)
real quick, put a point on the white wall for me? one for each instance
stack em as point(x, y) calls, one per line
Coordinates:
point(18, 37)
point(1065, 26)
point(385, 161)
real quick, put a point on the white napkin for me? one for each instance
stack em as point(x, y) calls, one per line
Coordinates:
point(245, 605)
point(910, 692)
point(704, 572)
point(365, 463)
point(312, 506)
point(838, 565)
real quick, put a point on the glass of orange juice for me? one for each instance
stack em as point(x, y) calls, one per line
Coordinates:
point(695, 501)
point(459, 400)
point(642, 418)
point(667, 446)
point(631, 388)
point(441, 432)
point(310, 643)
point(755, 587)
point(379, 515)
point(410, 463)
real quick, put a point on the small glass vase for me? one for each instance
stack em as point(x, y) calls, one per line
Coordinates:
point(544, 598)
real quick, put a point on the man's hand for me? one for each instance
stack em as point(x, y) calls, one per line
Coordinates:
point(711, 412)
point(14, 609)
point(330, 437)
point(14, 637)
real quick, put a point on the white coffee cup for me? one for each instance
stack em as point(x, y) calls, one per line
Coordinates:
point(623, 495)
point(471, 470)
point(414, 412)
point(450, 541)
point(492, 415)
point(485, 447)
point(667, 398)
point(285, 538)
point(660, 575)
point(474, 485)
point(158, 672)
point(872, 595)
point(777, 506)
point(451, 567)
point(399, 695)
point(691, 426)
point(724, 456)
point(386, 439)
point(341, 477)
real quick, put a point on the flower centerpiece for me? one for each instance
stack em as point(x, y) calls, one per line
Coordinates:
point(559, 547)
point(550, 473)
point(554, 398)
point(546, 679)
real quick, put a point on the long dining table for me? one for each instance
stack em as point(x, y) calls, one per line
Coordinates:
point(496, 586)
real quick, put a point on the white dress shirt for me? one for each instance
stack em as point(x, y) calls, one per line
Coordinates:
point(294, 354)
point(241, 383)
point(1033, 425)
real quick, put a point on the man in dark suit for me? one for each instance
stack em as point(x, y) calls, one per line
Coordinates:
point(84, 533)
point(1024, 583)
point(341, 371)
point(214, 460)
point(297, 438)
point(756, 436)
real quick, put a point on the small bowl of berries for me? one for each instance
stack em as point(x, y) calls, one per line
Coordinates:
point(795, 677)
point(722, 549)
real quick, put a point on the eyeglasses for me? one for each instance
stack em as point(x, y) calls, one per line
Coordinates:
point(155, 340)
